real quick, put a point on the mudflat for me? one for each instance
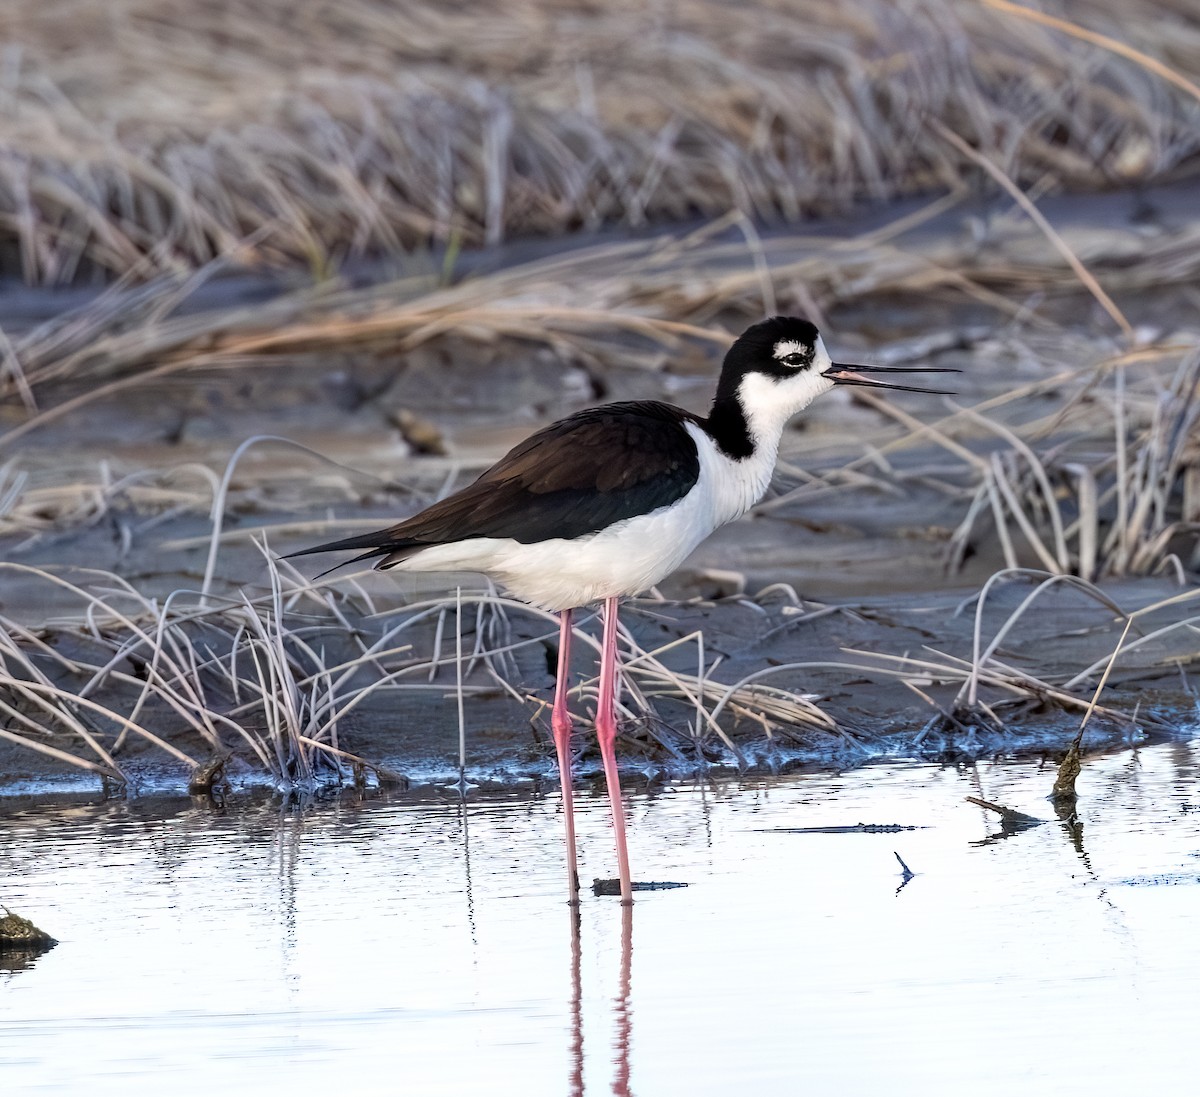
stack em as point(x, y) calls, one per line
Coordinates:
point(270, 280)
point(930, 575)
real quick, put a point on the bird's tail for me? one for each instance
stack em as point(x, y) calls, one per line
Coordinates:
point(380, 543)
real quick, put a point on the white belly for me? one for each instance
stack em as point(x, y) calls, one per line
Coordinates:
point(560, 574)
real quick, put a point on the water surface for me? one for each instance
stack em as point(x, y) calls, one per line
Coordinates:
point(424, 947)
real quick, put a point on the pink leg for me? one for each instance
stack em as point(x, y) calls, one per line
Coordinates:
point(606, 732)
point(560, 721)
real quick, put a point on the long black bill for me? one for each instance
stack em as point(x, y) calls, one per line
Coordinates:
point(842, 374)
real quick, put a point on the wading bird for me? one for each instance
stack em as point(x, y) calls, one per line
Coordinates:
point(607, 502)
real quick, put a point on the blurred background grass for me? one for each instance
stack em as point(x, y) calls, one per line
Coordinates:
point(144, 136)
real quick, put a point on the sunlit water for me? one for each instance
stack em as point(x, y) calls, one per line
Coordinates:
point(401, 947)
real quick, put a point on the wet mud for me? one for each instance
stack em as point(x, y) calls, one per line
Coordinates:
point(854, 568)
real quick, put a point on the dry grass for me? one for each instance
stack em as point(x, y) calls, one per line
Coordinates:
point(151, 136)
point(991, 686)
point(272, 679)
point(166, 143)
point(644, 299)
point(1124, 499)
point(1101, 483)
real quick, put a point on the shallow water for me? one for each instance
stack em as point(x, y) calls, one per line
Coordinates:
point(419, 947)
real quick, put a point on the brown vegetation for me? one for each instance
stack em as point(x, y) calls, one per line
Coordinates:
point(155, 135)
point(170, 143)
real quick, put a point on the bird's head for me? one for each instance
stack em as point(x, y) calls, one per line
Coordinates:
point(779, 366)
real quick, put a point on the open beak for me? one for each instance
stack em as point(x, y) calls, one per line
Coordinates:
point(842, 374)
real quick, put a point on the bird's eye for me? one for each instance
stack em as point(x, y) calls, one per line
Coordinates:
point(795, 360)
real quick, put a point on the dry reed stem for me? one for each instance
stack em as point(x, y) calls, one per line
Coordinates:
point(1104, 677)
point(1039, 219)
point(1152, 64)
point(1063, 791)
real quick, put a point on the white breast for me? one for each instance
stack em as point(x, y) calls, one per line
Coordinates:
point(624, 559)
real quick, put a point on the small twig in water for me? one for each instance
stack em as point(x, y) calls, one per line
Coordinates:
point(857, 828)
point(1008, 815)
point(613, 887)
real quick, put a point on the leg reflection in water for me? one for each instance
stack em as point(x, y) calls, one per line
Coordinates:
point(575, 1079)
point(622, 1009)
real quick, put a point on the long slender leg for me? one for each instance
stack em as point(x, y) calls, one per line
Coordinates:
point(560, 721)
point(606, 732)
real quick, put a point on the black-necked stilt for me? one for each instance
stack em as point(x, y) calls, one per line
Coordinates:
point(609, 501)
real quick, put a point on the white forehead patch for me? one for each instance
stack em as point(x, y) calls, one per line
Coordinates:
point(787, 346)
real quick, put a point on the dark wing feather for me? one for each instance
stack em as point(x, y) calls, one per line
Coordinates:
point(572, 478)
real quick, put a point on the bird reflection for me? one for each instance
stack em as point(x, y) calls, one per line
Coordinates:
point(622, 1009)
point(575, 1079)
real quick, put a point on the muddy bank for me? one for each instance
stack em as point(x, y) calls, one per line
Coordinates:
point(856, 582)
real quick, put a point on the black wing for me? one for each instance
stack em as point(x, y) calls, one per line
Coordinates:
point(572, 478)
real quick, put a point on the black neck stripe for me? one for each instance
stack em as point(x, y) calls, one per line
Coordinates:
point(727, 426)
